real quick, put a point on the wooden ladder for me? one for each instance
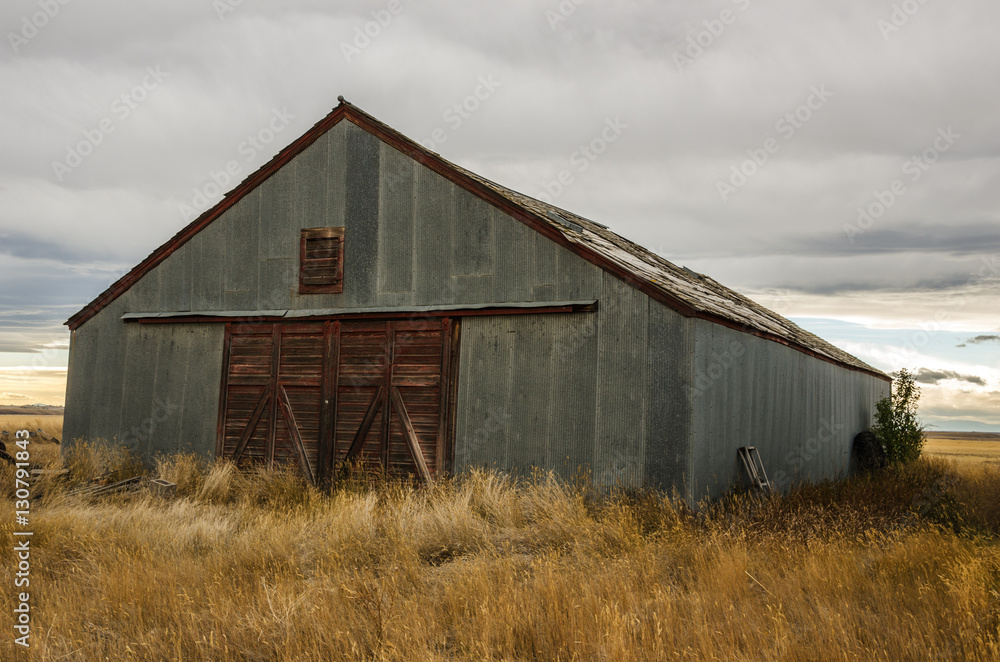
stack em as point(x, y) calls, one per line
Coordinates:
point(755, 468)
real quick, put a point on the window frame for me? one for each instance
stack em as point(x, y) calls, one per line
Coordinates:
point(308, 234)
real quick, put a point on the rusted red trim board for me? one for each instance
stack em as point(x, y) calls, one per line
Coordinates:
point(279, 316)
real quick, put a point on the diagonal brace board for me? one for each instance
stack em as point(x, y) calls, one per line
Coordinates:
point(366, 424)
point(258, 410)
point(411, 436)
point(293, 430)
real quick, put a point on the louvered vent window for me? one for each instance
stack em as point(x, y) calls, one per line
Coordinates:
point(321, 261)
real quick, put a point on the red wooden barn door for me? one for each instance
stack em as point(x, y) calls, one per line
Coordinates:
point(390, 394)
point(273, 407)
point(321, 394)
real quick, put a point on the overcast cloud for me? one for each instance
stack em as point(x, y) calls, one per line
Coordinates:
point(754, 134)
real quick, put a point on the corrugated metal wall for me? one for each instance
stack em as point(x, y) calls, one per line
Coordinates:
point(156, 387)
point(595, 391)
point(800, 412)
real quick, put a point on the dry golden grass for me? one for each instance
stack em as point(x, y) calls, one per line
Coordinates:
point(51, 426)
point(971, 447)
point(260, 566)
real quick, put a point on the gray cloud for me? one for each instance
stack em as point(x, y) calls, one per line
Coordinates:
point(927, 376)
point(977, 340)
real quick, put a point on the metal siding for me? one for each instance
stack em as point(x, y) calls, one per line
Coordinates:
point(174, 279)
point(546, 260)
point(361, 217)
point(173, 353)
point(182, 285)
point(278, 279)
point(668, 431)
point(201, 382)
point(146, 294)
point(801, 413)
point(309, 186)
point(135, 424)
point(577, 277)
point(485, 385)
point(242, 226)
point(241, 299)
point(472, 235)
point(278, 234)
point(396, 225)
point(433, 231)
point(622, 385)
point(208, 282)
point(544, 292)
point(515, 262)
point(336, 174)
point(109, 371)
point(530, 408)
point(84, 348)
point(573, 393)
point(473, 289)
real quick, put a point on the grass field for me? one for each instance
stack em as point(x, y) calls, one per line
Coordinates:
point(974, 447)
point(905, 566)
point(51, 426)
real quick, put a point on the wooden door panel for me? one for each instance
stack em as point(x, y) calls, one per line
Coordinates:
point(317, 395)
point(247, 411)
point(246, 424)
point(273, 398)
point(359, 411)
point(416, 378)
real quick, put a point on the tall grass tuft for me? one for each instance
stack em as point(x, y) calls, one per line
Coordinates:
point(100, 459)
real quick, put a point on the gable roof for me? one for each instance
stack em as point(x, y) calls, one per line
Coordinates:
point(689, 293)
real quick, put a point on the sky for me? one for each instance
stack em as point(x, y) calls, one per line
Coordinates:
point(837, 162)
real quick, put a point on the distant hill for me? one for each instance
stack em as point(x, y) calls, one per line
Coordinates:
point(30, 410)
point(962, 436)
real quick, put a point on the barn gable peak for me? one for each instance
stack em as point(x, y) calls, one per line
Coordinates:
point(690, 294)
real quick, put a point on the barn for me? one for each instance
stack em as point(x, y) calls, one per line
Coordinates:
point(360, 299)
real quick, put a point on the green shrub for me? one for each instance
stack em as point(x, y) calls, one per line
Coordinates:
point(896, 423)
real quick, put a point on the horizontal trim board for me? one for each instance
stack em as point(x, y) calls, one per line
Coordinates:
point(178, 317)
